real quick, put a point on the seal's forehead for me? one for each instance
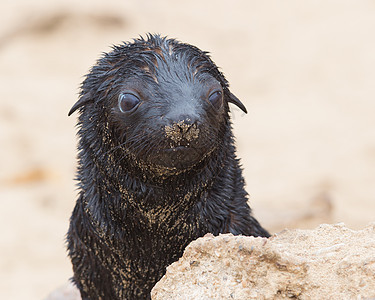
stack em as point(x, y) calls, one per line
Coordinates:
point(169, 64)
point(177, 64)
point(168, 56)
point(177, 67)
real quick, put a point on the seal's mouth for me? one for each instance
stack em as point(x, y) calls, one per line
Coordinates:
point(178, 148)
point(180, 157)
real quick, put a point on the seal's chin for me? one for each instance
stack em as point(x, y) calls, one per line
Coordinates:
point(165, 162)
point(181, 157)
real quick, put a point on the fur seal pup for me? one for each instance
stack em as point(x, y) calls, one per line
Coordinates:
point(156, 166)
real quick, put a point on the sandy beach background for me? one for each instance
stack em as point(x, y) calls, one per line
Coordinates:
point(304, 69)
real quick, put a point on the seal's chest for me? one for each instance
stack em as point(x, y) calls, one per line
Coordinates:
point(169, 220)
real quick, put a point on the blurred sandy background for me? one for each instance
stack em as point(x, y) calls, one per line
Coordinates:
point(304, 69)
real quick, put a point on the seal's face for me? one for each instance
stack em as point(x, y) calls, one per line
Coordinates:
point(166, 103)
point(174, 120)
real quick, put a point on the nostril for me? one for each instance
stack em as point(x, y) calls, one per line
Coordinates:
point(190, 127)
point(180, 127)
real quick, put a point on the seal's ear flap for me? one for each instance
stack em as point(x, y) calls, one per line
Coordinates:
point(81, 101)
point(233, 99)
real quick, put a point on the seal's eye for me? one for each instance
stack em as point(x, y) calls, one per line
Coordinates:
point(127, 102)
point(216, 99)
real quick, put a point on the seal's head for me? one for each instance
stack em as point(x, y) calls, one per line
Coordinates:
point(163, 103)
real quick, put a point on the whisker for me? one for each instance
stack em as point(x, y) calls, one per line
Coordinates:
point(114, 148)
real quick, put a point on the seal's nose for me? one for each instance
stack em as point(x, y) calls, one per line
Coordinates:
point(185, 130)
point(185, 124)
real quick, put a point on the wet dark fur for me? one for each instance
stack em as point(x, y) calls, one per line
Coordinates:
point(140, 205)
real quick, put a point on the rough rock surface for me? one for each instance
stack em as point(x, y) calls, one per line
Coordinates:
point(330, 262)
